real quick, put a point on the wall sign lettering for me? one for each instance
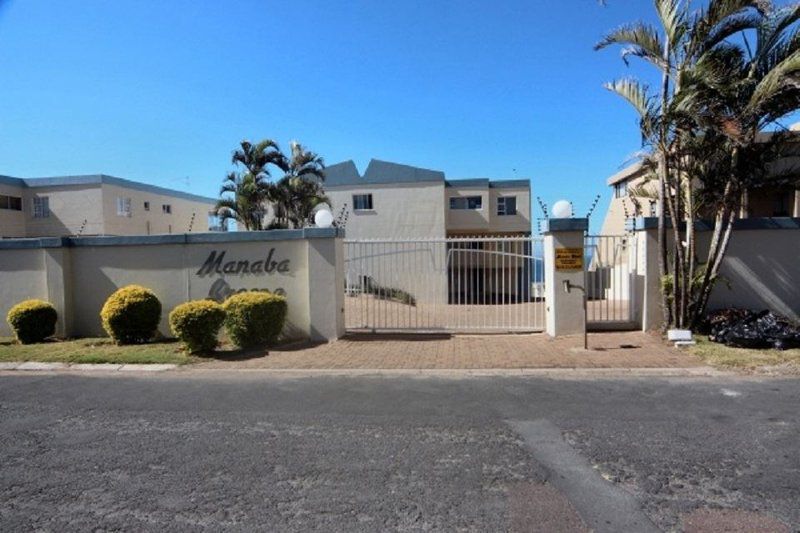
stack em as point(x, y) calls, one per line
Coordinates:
point(216, 264)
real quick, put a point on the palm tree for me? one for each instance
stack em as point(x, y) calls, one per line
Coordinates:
point(296, 195)
point(249, 189)
point(735, 96)
point(683, 41)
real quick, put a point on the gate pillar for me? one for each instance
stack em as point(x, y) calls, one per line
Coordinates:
point(564, 262)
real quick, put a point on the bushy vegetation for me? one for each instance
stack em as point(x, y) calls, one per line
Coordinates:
point(254, 318)
point(32, 321)
point(197, 324)
point(131, 315)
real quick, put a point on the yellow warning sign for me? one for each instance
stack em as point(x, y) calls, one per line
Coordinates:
point(569, 258)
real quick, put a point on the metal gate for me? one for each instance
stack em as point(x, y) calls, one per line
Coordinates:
point(453, 284)
point(611, 281)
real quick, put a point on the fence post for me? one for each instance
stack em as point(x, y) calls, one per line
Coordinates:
point(564, 237)
point(646, 232)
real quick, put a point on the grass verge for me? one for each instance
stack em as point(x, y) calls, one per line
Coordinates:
point(722, 356)
point(93, 350)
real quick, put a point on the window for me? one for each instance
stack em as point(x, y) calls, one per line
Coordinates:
point(166, 209)
point(41, 207)
point(620, 190)
point(466, 202)
point(11, 202)
point(123, 207)
point(147, 206)
point(362, 202)
point(507, 205)
point(783, 204)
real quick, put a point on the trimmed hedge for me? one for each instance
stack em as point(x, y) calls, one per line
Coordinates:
point(32, 320)
point(131, 315)
point(197, 324)
point(254, 317)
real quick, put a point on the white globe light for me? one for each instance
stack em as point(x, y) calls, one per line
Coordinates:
point(562, 209)
point(323, 218)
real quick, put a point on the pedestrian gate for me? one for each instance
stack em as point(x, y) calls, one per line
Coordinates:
point(611, 281)
point(451, 284)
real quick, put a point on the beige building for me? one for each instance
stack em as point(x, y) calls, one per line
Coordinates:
point(763, 202)
point(98, 205)
point(392, 200)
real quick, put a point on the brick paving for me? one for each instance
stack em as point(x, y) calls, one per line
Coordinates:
point(607, 350)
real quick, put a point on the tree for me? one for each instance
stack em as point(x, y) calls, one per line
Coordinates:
point(245, 196)
point(295, 196)
point(690, 118)
point(249, 189)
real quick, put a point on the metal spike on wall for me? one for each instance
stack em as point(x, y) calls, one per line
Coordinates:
point(594, 205)
point(191, 223)
point(83, 227)
point(542, 205)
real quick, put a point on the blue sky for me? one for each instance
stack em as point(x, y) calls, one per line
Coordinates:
point(163, 91)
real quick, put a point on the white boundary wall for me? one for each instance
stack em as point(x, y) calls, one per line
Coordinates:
point(77, 274)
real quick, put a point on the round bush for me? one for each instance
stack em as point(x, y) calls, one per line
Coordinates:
point(32, 320)
point(197, 324)
point(131, 315)
point(253, 318)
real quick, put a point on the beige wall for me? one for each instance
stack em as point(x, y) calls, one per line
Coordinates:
point(78, 279)
point(154, 221)
point(486, 220)
point(12, 223)
point(400, 210)
point(70, 206)
point(22, 277)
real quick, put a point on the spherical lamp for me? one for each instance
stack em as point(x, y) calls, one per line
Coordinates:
point(323, 218)
point(562, 209)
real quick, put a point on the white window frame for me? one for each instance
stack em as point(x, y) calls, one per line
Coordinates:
point(41, 206)
point(501, 201)
point(123, 207)
point(166, 209)
point(369, 199)
point(621, 189)
point(146, 205)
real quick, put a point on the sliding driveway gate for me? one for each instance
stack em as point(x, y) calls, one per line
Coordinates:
point(445, 285)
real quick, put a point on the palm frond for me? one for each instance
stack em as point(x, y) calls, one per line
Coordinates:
point(638, 40)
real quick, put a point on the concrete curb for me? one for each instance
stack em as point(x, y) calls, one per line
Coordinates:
point(700, 371)
point(84, 367)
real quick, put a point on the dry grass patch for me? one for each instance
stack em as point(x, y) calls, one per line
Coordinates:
point(719, 355)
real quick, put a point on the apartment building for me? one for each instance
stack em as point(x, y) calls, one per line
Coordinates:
point(413, 230)
point(771, 201)
point(392, 200)
point(98, 205)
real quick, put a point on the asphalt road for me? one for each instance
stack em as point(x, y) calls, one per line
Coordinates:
point(188, 451)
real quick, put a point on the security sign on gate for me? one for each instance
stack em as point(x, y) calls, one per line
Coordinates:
point(569, 259)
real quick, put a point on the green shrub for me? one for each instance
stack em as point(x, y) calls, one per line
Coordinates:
point(131, 315)
point(255, 317)
point(197, 324)
point(32, 320)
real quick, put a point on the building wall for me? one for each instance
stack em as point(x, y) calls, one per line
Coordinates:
point(12, 223)
point(400, 210)
point(154, 221)
point(72, 208)
point(486, 220)
point(22, 277)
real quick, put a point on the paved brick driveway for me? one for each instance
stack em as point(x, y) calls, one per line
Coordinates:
point(607, 350)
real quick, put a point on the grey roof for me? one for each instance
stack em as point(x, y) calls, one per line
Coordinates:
point(97, 179)
point(378, 172)
point(382, 172)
